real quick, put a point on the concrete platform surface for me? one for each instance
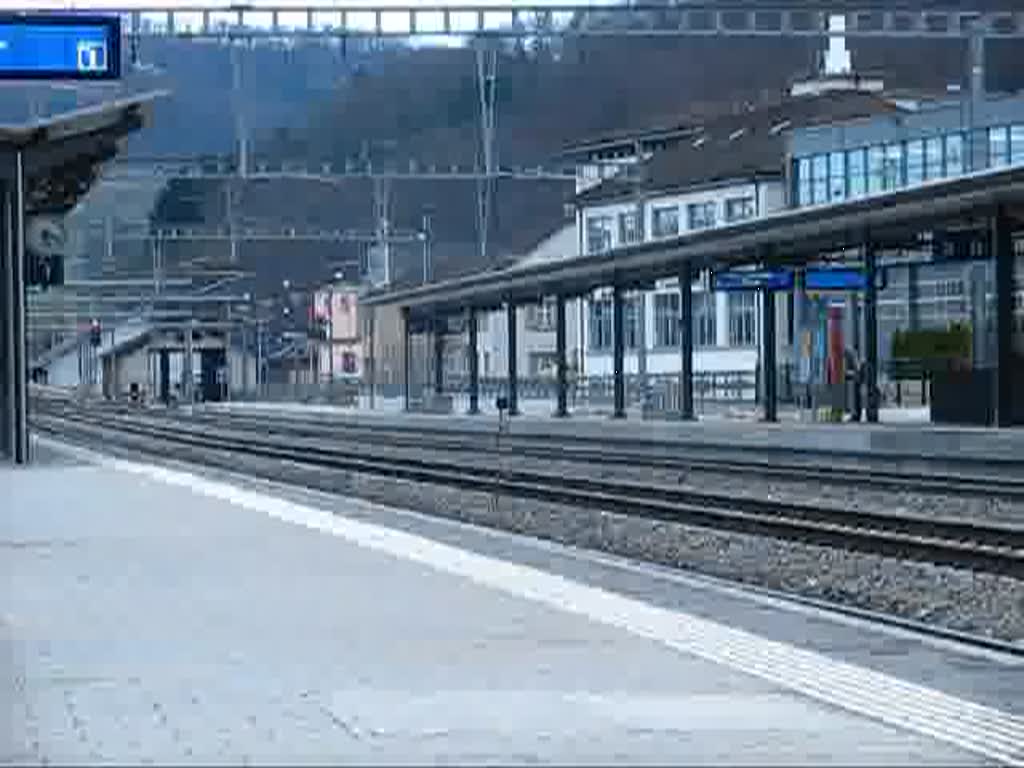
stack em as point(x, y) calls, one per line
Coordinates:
point(895, 439)
point(153, 615)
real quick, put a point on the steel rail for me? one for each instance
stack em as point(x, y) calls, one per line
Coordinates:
point(873, 471)
point(972, 545)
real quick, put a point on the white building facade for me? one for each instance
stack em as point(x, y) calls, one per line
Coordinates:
point(726, 326)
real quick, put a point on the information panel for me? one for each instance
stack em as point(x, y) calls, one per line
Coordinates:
point(762, 279)
point(834, 279)
point(60, 47)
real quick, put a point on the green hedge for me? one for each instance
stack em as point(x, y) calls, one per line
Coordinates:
point(953, 343)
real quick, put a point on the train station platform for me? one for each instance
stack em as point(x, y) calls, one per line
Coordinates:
point(900, 435)
point(152, 614)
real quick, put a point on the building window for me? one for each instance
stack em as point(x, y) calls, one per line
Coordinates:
point(803, 180)
point(701, 215)
point(955, 155)
point(837, 176)
point(666, 319)
point(630, 229)
point(998, 146)
point(541, 317)
point(631, 322)
point(876, 169)
point(893, 173)
point(742, 312)
point(857, 168)
point(933, 166)
point(665, 221)
point(599, 234)
point(739, 208)
point(704, 321)
point(819, 178)
point(600, 323)
point(915, 162)
point(1017, 144)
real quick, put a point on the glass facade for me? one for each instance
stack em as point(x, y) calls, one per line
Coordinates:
point(631, 322)
point(999, 146)
point(666, 320)
point(836, 176)
point(955, 165)
point(599, 328)
point(819, 178)
point(704, 325)
point(1017, 144)
point(701, 215)
point(892, 170)
point(742, 314)
point(599, 234)
point(739, 209)
point(665, 221)
point(630, 228)
point(915, 162)
point(857, 167)
point(934, 165)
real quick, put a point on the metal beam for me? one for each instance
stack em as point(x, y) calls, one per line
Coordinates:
point(513, 361)
point(867, 18)
point(618, 353)
point(804, 233)
point(768, 369)
point(871, 330)
point(1002, 249)
point(562, 408)
point(406, 358)
point(326, 173)
point(13, 353)
point(249, 234)
point(473, 355)
point(686, 342)
point(439, 330)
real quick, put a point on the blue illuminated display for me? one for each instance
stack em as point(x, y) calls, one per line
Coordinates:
point(834, 279)
point(770, 279)
point(60, 47)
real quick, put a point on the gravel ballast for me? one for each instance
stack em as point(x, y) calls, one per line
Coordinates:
point(946, 597)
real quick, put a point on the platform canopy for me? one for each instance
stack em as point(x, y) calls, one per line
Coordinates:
point(62, 154)
point(795, 236)
point(46, 167)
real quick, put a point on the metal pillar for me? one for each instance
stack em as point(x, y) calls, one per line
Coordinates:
point(473, 363)
point(14, 443)
point(871, 331)
point(618, 354)
point(641, 351)
point(562, 365)
point(768, 372)
point(686, 342)
point(438, 357)
point(187, 376)
point(913, 296)
point(371, 358)
point(1002, 248)
point(513, 360)
point(406, 357)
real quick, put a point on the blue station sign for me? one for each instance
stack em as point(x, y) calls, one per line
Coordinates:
point(753, 280)
point(834, 279)
point(60, 47)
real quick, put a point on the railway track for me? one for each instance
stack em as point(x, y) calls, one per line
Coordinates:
point(967, 477)
point(979, 546)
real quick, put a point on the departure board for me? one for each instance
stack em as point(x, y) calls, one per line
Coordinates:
point(60, 47)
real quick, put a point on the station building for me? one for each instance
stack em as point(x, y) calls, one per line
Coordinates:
point(838, 138)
